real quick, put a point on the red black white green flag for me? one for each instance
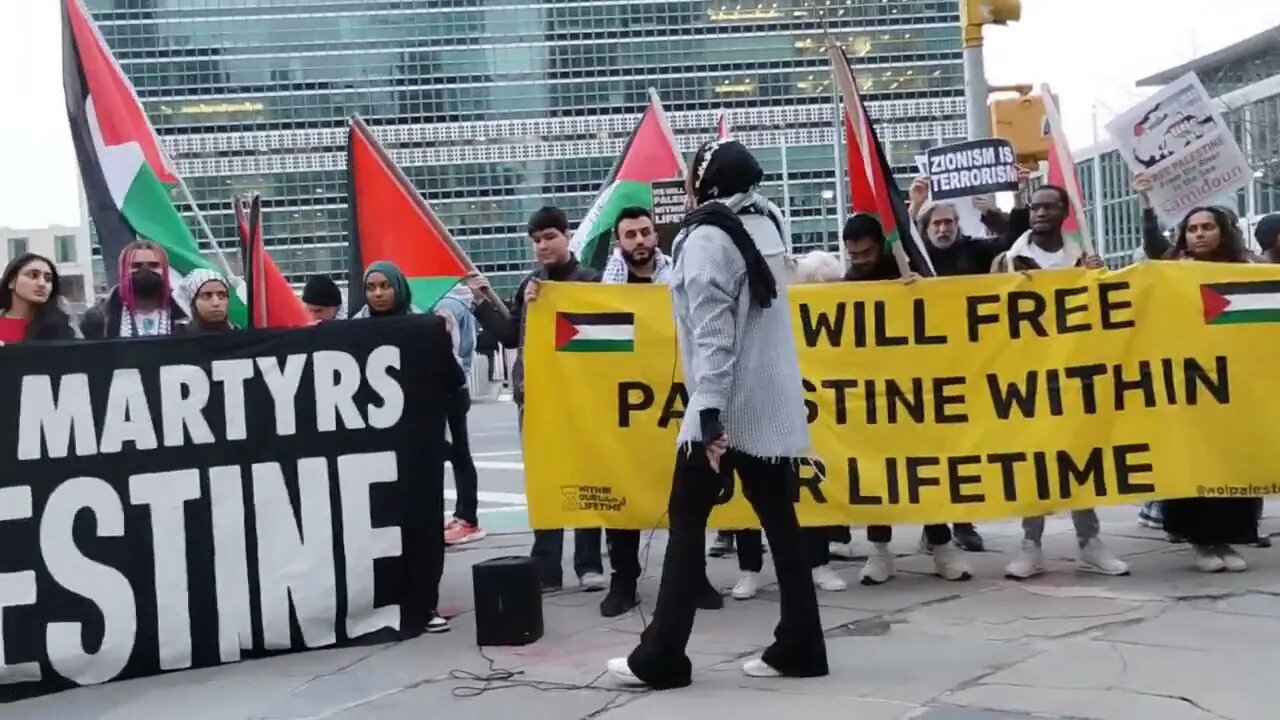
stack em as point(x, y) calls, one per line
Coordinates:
point(391, 221)
point(650, 154)
point(126, 174)
point(271, 300)
point(872, 186)
point(1062, 172)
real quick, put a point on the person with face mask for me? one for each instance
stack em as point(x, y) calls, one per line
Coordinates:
point(142, 303)
point(30, 297)
point(745, 418)
point(209, 292)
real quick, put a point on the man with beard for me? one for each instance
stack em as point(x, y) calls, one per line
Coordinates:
point(636, 259)
point(954, 253)
point(142, 303)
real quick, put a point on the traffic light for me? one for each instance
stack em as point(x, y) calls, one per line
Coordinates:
point(1021, 120)
point(976, 13)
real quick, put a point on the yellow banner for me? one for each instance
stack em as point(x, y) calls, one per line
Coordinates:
point(952, 399)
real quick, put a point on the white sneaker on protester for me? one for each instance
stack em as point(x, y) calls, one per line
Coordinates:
point(747, 586)
point(758, 668)
point(949, 564)
point(879, 567)
point(1231, 559)
point(620, 671)
point(1028, 563)
point(593, 582)
point(1208, 560)
point(826, 579)
point(1095, 558)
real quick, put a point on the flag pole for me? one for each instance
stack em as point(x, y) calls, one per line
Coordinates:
point(222, 260)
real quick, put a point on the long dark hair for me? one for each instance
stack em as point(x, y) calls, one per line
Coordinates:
point(1231, 247)
point(49, 313)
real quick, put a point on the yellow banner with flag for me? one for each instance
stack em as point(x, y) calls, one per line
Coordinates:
point(947, 400)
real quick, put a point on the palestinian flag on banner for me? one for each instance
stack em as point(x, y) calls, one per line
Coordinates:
point(1241, 302)
point(126, 175)
point(650, 154)
point(595, 332)
point(1062, 172)
point(390, 221)
point(271, 300)
point(872, 187)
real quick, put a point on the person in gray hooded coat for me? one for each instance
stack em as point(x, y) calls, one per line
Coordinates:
point(745, 415)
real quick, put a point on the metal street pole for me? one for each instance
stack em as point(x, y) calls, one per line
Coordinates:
point(976, 93)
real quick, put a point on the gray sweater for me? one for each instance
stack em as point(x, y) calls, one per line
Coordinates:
point(738, 358)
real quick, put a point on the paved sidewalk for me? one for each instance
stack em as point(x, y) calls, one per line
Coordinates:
point(1166, 643)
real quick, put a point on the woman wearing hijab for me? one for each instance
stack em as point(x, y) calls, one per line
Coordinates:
point(386, 292)
point(745, 415)
point(209, 292)
point(29, 302)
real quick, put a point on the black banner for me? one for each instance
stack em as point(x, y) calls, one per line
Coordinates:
point(669, 198)
point(173, 503)
point(976, 167)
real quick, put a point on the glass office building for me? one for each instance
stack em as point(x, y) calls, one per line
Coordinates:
point(496, 107)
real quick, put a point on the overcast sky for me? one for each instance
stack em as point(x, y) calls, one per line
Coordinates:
point(1090, 51)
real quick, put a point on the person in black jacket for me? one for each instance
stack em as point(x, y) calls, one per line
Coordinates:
point(30, 293)
point(142, 303)
point(549, 233)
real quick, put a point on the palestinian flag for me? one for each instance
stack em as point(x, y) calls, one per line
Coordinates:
point(595, 332)
point(1241, 302)
point(872, 187)
point(271, 300)
point(126, 175)
point(390, 221)
point(650, 154)
point(722, 126)
point(1062, 172)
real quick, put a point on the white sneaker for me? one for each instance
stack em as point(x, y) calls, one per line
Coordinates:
point(826, 579)
point(620, 671)
point(1028, 563)
point(1208, 560)
point(1232, 559)
point(841, 550)
point(1095, 558)
point(879, 567)
point(593, 582)
point(949, 564)
point(758, 668)
point(747, 586)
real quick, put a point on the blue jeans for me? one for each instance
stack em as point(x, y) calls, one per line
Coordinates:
point(548, 551)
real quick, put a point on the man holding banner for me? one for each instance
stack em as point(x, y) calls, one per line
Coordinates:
point(1044, 247)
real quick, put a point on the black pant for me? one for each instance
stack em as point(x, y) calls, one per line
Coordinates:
point(933, 534)
point(798, 649)
point(814, 540)
point(465, 478)
point(624, 556)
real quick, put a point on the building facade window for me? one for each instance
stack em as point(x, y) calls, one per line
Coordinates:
point(64, 248)
point(18, 246)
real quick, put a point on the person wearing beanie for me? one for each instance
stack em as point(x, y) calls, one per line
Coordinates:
point(209, 292)
point(1267, 233)
point(322, 298)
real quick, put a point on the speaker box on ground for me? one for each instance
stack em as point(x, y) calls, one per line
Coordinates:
point(508, 599)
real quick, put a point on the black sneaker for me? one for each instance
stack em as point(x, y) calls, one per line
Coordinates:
point(1263, 541)
point(722, 545)
point(710, 598)
point(550, 586)
point(967, 538)
point(621, 598)
point(437, 624)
